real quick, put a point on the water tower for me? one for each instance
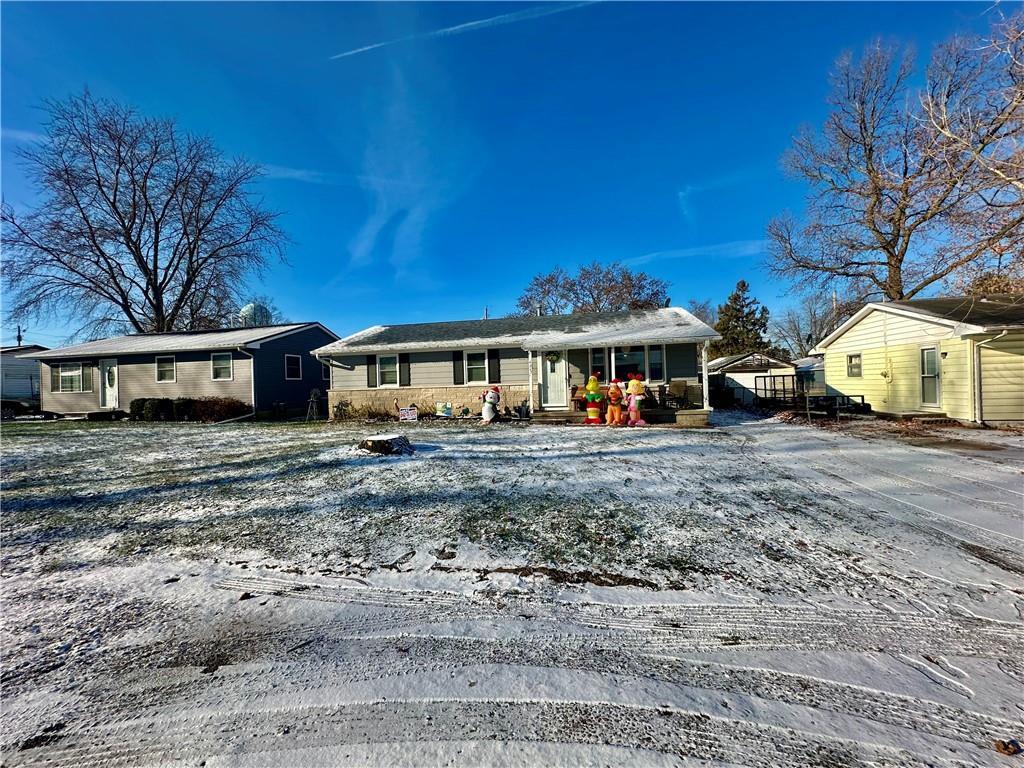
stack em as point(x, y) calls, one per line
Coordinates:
point(253, 315)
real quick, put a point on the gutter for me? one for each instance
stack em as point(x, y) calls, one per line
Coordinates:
point(978, 404)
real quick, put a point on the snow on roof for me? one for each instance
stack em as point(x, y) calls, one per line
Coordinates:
point(593, 329)
point(175, 341)
point(811, 363)
point(759, 361)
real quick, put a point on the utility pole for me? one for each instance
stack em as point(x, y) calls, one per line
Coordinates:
point(19, 336)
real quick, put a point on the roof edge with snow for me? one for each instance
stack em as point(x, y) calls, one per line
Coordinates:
point(669, 325)
point(179, 341)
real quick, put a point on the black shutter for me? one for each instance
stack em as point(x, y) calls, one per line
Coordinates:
point(403, 369)
point(458, 372)
point(371, 370)
point(55, 377)
point(494, 366)
point(86, 377)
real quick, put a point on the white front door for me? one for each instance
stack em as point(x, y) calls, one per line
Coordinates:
point(108, 384)
point(554, 383)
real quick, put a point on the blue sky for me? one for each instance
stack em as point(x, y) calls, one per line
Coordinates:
point(431, 177)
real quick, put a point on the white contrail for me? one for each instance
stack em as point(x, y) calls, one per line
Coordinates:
point(494, 21)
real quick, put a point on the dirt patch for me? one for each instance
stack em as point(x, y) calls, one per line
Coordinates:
point(560, 576)
point(951, 443)
point(991, 556)
point(51, 734)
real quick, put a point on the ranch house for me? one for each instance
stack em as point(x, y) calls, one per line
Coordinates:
point(538, 361)
point(960, 358)
point(266, 367)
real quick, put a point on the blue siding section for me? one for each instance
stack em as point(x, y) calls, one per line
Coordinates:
point(271, 385)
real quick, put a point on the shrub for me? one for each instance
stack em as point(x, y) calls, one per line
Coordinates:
point(158, 409)
point(342, 410)
point(184, 409)
point(210, 409)
point(135, 408)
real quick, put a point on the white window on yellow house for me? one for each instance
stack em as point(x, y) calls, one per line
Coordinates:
point(853, 366)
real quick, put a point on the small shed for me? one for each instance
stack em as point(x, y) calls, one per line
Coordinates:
point(810, 375)
point(734, 377)
point(19, 376)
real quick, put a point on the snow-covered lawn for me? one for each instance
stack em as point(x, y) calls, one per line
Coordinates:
point(757, 594)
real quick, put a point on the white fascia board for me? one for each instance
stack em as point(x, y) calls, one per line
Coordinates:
point(867, 309)
point(275, 336)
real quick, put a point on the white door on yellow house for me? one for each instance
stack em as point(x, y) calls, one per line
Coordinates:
point(929, 377)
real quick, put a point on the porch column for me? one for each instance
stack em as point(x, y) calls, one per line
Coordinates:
point(529, 368)
point(704, 375)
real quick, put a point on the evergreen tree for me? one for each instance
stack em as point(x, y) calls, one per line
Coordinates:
point(743, 324)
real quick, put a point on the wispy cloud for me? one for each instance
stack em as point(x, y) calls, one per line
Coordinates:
point(534, 12)
point(734, 249)
point(20, 136)
point(419, 159)
point(685, 196)
point(305, 175)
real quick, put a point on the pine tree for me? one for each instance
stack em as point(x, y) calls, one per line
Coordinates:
point(743, 323)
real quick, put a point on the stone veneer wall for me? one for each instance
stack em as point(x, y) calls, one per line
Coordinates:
point(425, 398)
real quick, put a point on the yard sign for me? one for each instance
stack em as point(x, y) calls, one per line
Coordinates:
point(408, 414)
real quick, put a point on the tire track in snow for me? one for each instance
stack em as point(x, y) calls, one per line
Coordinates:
point(331, 661)
point(663, 730)
point(671, 627)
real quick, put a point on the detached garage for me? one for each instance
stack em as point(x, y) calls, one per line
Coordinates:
point(733, 378)
point(958, 357)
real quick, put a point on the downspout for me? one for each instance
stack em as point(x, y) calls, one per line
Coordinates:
point(704, 374)
point(252, 382)
point(978, 405)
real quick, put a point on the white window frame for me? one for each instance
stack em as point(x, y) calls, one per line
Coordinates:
point(156, 369)
point(664, 363)
point(325, 371)
point(860, 365)
point(292, 378)
point(81, 378)
point(465, 367)
point(398, 374)
point(606, 369)
point(647, 362)
point(231, 366)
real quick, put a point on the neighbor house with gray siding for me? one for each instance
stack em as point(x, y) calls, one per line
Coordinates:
point(262, 366)
point(536, 360)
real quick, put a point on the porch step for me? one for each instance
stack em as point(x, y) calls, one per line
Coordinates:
point(935, 421)
point(651, 416)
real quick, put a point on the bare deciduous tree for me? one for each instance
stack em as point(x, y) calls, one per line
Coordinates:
point(909, 189)
point(140, 226)
point(704, 310)
point(799, 328)
point(596, 287)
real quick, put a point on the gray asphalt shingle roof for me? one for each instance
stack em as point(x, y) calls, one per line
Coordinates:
point(975, 310)
point(183, 341)
point(665, 325)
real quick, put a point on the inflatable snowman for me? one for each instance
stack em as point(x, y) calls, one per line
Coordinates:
point(491, 399)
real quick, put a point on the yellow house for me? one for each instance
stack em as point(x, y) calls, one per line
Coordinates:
point(959, 357)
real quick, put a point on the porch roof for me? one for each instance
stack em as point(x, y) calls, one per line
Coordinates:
point(670, 325)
